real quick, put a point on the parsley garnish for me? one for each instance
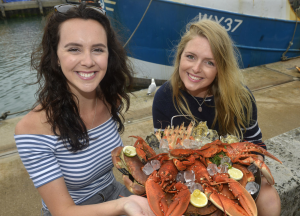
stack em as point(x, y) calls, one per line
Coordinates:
point(217, 159)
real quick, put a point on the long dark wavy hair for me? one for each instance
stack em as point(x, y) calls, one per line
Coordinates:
point(54, 94)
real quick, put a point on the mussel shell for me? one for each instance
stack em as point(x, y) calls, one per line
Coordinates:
point(152, 141)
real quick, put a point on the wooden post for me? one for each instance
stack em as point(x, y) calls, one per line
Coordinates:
point(40, 6)
point(2, 8)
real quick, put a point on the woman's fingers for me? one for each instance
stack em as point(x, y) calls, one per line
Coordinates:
point(137, 205)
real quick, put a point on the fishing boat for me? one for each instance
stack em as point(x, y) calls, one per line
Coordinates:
point(264, 31)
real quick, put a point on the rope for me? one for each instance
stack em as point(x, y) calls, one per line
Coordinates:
point(138, 24)
point(283, 57)
point(4, 115)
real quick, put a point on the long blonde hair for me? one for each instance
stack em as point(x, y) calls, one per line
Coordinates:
point(233, 102)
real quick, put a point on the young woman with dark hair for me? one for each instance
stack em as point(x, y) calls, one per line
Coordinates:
point(65, 142)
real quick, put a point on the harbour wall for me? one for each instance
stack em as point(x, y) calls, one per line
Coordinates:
point(11, 8)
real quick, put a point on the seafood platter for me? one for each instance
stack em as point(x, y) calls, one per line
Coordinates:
point(194, 171)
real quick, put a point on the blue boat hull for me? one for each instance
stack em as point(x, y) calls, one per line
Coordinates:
point(260, 40)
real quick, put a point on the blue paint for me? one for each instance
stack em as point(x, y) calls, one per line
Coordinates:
point(259, 40)
point(8, 1)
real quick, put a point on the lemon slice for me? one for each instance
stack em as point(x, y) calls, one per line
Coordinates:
point(198, 199)
point(236, 174)
point(129, 151)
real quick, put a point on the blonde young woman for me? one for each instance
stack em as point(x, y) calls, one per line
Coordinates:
point(207, 85)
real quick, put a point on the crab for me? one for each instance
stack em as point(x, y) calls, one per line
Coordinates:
point(242, 153)
point(131, 167)
point(133, 176)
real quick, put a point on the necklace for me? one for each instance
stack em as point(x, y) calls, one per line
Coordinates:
point(200, 108)
point(94, 113)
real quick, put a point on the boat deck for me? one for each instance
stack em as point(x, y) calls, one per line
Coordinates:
point(276, 88)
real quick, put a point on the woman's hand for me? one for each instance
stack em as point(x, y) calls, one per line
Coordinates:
point(137, 205)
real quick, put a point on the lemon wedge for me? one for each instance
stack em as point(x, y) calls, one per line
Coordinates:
point(129, 151)
point(236, 174)
point(198, 199)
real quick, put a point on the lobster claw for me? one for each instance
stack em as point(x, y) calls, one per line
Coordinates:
point(265, 170)
point(223, 203)
point(240, 193)
point(250, 147)
point(158, 201)
point(244, 198)
point(262, 166)
point(156, 197)
point(180, 200)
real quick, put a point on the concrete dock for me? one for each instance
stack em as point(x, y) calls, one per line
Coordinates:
point(276, 88)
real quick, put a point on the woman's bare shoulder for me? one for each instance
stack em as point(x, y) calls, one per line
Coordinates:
point(33, 123)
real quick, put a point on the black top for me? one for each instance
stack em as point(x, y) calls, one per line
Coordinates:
point(163, 110)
